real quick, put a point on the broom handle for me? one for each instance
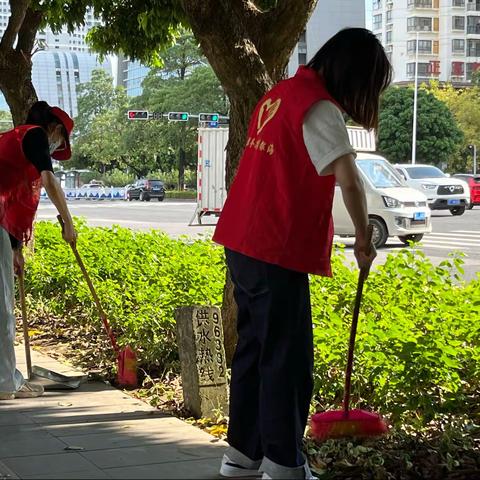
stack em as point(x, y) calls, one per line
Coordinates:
point(26, 338)
point(353, 331)
point(101, 312)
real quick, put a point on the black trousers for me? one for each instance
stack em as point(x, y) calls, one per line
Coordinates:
point(271, 384)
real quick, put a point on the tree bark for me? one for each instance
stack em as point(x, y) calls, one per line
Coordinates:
point(16, 84)
point(248, 50)
point(16, 62)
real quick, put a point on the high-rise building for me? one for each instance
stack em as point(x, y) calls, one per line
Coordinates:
point(56, 74)
point(62, 61)
point(328, 18)
point(130, 74)
point(448, 35)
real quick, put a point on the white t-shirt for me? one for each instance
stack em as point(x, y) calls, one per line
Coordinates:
point(325, 135)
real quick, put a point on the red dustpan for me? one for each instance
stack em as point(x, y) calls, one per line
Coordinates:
point(126, 358)
point(346, 422)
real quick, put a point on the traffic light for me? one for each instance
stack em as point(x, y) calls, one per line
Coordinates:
point(137, 115)
point(178, 116)
point(208, 117)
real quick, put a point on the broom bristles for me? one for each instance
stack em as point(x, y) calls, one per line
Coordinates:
point(355, 423)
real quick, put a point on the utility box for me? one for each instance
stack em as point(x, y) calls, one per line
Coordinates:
point(211, 191)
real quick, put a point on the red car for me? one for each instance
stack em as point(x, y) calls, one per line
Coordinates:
point(474, 184)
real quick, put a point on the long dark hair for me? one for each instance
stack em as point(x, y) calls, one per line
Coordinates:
point(40, 114)
point(356, 71)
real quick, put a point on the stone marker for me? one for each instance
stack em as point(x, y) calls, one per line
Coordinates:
point(202, 359)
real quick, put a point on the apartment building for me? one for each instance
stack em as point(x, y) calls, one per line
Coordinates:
point(448, 35)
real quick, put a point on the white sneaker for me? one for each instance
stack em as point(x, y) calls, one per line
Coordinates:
point(308, 474)
point(29, 390)
point(7, 396)
point(231, 469)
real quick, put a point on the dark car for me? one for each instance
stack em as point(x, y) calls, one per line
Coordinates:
point(145, 190)
point(474, 184)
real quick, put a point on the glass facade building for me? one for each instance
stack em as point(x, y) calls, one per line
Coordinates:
point(62, 62)
point(56, 75)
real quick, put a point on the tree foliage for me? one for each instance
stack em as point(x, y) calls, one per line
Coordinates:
point(465, 105)
point(438, 135)
point(106, 140)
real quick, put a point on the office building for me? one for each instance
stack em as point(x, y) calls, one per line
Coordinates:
point(62, 61)
point(327, 19)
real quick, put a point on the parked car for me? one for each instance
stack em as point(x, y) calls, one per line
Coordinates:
point(473, 182)
point(146, 189)
point(394, 208)
point(443, 192)
point(94, 189)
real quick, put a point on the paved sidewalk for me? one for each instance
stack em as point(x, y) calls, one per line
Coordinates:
point(98, 432)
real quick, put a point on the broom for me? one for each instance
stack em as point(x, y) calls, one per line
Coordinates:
point(346, 422)
point(126, 358)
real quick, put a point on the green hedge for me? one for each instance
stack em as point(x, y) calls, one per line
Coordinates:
point(182, 194)
point(418, 343)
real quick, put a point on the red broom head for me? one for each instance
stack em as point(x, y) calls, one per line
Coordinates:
point(355, 423)
point(127, 368)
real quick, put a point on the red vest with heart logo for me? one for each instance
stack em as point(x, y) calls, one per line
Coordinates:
point(279, 210)
point(20, 185)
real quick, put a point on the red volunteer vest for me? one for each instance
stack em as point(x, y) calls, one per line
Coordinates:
point(279, 210)
point(20, 185)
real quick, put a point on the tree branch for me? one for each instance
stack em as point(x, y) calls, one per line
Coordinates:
point(18, 9)
point(28, 31)
point(229, 47)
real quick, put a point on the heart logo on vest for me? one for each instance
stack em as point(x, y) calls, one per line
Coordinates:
point(267, 111)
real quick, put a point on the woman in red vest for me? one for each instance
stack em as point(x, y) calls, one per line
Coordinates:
point(26, 165)
point(277, 229)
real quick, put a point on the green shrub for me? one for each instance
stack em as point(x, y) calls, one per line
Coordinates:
point(117, 178)
point(417, 352)
point(182, 194)
point(418, 342)
point(140, 277)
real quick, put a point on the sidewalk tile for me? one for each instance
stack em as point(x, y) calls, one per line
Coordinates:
point(49, 465)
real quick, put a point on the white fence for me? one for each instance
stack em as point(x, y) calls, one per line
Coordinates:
point(96, 193)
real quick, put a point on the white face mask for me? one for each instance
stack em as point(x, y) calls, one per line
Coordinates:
point(55, 145)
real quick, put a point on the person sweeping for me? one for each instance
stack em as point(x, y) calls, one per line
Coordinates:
point(276, 227)
point(26, 154)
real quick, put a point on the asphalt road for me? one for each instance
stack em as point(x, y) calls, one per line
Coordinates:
point(449, 233)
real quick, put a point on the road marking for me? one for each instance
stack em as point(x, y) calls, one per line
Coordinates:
point(467, 236)
point(98, 204)
point(450, 242)
point(467, 231)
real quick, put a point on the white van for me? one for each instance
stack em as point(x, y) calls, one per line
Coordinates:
point(394, 208)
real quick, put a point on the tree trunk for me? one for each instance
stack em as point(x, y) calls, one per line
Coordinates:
point(249, 51)
point(16, 84)
point(16, 48)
